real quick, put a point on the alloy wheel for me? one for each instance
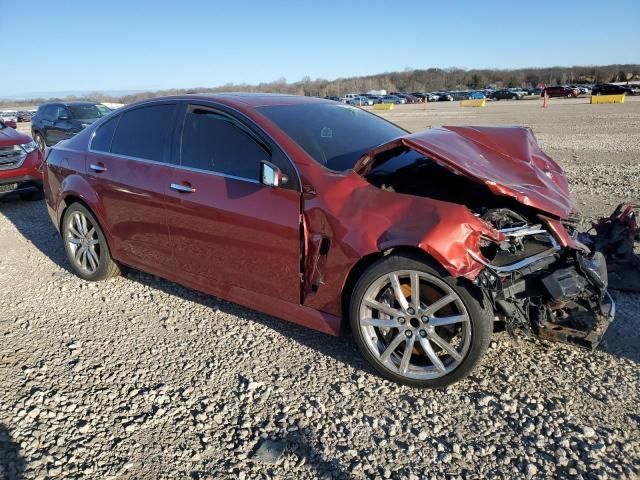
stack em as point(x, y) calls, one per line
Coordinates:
point(415, 324)
point(84, 245)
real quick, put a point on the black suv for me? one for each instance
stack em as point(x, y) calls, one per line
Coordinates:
point(61, 120)
point(610, 89)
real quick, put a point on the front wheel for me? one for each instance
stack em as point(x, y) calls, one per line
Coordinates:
point(39, 139)
point(416, 325)
point(86, 246)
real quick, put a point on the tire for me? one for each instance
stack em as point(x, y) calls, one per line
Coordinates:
point(39, 139)
point(515, 97)
point(395, 341)
point(96, 263)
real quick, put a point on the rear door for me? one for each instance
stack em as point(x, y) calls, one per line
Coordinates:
point(128, 167)
point(229, 231)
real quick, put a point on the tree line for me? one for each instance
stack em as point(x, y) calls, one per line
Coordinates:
point(409, 80)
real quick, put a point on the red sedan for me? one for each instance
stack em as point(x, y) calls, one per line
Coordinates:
point(330, 217)
point(20, 164)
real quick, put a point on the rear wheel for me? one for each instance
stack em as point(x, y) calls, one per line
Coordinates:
point(86, 246)
point(416, 325)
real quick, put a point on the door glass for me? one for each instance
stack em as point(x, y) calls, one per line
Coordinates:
point(104, 135)
point(214, 142)
point(144, 132)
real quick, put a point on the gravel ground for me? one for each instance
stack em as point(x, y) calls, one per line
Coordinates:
point(141, 378)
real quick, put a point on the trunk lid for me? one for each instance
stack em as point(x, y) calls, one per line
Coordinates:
point(508, 160)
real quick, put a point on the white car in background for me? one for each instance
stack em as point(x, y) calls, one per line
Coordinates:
point(9, 116)
point(360, 101)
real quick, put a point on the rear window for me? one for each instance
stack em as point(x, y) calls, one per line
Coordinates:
point(104, 135)
point(144, 132)
point(334, 135)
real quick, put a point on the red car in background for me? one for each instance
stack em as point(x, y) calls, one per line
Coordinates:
point(566, 92)
point(10, 123)
point(328, 216)
point(20, 164)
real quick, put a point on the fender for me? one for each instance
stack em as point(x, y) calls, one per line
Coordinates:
point(445, 231)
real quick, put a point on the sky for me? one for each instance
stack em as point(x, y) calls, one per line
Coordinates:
point(121, 46)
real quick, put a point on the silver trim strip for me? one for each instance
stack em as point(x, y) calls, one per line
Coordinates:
point(172, 165)
point(97, 168)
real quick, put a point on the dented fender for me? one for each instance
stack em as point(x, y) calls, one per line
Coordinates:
point(387, 220)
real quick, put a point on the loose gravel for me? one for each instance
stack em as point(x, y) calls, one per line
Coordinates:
point(141, 378)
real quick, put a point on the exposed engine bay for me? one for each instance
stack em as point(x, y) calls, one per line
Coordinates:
point(537, 286)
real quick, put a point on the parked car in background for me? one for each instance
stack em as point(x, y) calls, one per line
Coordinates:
point(422, 97)
point(23, 116)
point(9, 122)
point(477, 95)
point(9, 116)
point(391, 99)
point(458, 95)
point(610, 89)
point(20, 164)
point(519, 91)
point(444, 97)
point(62, 120)
point(333, 97)
point(561, 91)
point(407, 97)
point(275, 202)
point(432, 97)
point(360, 101)
point(505, 94)
point(103, 109)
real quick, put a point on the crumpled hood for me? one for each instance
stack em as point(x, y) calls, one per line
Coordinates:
point(508, 160)
point(9, 136)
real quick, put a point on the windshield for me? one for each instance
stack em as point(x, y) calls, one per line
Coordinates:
point(336, 136)
point(85, 111)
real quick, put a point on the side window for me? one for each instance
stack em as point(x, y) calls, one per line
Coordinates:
point(60, 111)
point(214, 142)
point(144, 132)
point(49, 112)
point(104, 135)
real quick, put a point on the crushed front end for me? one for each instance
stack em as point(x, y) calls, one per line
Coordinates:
point(543, 281)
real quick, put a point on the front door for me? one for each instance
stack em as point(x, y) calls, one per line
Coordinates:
point(228, 230)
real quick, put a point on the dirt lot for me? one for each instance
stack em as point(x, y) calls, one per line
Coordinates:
point(141, 378)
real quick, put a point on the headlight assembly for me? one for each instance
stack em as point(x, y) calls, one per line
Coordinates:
point(29, 147)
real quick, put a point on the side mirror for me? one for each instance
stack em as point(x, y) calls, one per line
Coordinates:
point(271, 176)
point(63, 116)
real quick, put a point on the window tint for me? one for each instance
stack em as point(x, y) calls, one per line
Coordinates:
point(214, 142)
point(50, 112)
point(144, 132)
point(84, 111)
point(104, 134)
point(60, 111)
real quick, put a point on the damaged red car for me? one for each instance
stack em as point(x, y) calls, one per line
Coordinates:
point(333, 218)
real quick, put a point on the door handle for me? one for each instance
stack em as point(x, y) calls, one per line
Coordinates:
point(182, 188)
point(98, 168)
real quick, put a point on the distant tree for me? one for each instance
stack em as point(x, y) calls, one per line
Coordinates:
point(476, 81)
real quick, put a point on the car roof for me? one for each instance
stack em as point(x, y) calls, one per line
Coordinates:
point(255, 99)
